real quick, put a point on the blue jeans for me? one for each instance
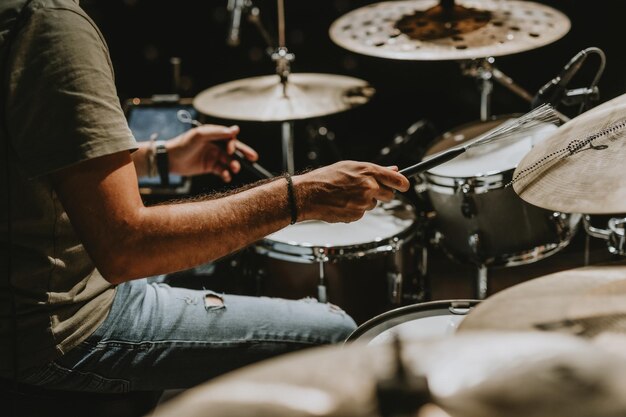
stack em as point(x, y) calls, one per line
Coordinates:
point(160, 337)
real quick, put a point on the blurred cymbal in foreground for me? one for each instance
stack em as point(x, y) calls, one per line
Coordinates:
point(471, 375)
point(583, 301)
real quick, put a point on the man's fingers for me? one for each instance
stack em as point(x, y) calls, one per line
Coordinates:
point(247, 151)
point(216, 132)
point(391, 178)
point(384, 194)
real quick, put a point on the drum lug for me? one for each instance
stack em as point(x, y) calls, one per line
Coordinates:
point(468, 206)
point(474, 243)
point(395, 287)
point(395, 244)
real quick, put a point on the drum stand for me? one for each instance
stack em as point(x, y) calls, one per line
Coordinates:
point(615, 234)
point(485, 72)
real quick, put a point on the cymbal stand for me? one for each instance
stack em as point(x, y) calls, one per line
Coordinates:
point(485, 72)
point(283, 59)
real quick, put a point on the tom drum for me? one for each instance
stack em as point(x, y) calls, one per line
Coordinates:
point(479, 219)
point(365, 267)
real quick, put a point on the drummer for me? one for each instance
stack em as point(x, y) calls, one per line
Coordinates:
point(76, 308)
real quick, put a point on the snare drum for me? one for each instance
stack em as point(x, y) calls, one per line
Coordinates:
point(434, 319)
point(478, 218)
point(365, 267)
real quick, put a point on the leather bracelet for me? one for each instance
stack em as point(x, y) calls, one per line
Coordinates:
point(293, 208)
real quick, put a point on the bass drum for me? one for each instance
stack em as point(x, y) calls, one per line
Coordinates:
point(479, 219)
point(418, 321)
point(365, 267)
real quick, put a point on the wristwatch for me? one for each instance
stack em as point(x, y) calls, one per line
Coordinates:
point(162, 162)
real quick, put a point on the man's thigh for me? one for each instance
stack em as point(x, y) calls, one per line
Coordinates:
point(160, 337)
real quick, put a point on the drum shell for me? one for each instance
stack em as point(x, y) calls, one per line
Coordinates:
point(480, 220)
point(363, 286)
point(502, 223)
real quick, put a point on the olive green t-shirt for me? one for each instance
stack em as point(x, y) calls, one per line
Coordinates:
point(59, 107)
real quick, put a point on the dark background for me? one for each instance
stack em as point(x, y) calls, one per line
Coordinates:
point(143, 35)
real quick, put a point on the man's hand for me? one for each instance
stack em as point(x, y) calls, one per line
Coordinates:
point(342, 192)
point(198, 151)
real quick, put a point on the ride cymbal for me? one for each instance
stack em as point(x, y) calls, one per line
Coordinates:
point(580, 167)
point(423, 30)
point(263, 98)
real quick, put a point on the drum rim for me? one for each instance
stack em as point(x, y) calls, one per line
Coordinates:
point(315, 253)
point(304, 252)
point(403, 311)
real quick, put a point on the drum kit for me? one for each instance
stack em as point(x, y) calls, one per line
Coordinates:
point(553, 346)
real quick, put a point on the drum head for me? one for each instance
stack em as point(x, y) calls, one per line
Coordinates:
point(500, 156)
point(376, 228)
point(418, 321)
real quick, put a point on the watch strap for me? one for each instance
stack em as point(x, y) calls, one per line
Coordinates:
point(162, 162)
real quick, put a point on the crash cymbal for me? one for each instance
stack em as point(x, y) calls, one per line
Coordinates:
point(472, 375)
point(262, 98)
point(580, 167)
point(584, 301)
point(423, 30)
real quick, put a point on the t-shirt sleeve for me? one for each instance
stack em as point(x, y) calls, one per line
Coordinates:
point(62, 105)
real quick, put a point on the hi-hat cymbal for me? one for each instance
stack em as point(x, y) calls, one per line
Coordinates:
point(583, 301)
point(472, 375)
point(580, 167)
point(424, 31)
point(263, 99)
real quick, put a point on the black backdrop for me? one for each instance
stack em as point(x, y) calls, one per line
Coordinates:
point(143, 35)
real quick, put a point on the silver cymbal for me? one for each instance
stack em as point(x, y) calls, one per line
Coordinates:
point(421, 30)
point(580, 167)
point(472, 375)
point(583, 301)
point(262, 99)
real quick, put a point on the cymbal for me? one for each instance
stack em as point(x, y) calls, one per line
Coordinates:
point(471, 375)
point(583, 301)
point(571, 173)
point(422, 30)
point(262, 99)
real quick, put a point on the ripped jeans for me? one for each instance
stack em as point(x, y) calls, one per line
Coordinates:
point(159, 337)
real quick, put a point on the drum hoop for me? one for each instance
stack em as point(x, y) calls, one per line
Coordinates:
point(413, 308)
point(480, 184)
point(306, 253)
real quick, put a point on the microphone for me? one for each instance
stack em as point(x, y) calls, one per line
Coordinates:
point(235, 7)
point(553, 91)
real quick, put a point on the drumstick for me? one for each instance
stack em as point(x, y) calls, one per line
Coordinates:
point(184, 116)
point(539, 116)
point(250, 166)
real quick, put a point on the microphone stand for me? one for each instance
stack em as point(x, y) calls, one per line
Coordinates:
point(484, 70)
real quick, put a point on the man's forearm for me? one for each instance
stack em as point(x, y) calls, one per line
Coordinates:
point(174, 237)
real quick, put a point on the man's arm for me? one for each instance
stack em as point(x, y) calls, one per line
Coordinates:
point(127, 240)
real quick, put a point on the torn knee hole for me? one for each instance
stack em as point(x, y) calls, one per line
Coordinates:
point(213, 301)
